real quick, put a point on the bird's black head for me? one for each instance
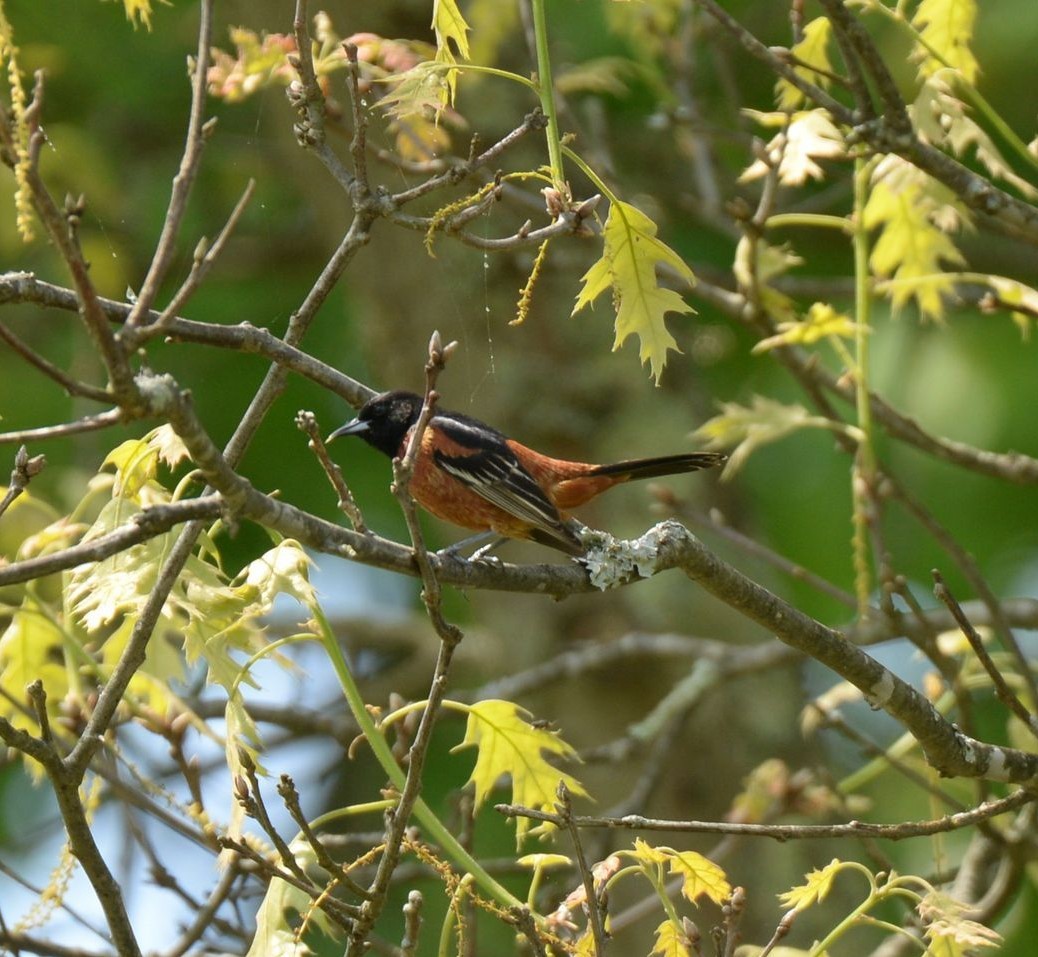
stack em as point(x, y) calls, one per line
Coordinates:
point(383, 421)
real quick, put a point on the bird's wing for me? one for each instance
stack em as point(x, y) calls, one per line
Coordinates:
point(497, 476)
point(488, 466)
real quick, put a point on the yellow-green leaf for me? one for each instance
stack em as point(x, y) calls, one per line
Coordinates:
point(815, 890)
point(98, 592)
point(423, 88)
point(812, 52)
point(670, 941)
point(631, 255)
point(31, 648)
point(904, 205)
point(451, 41)
point(136, 463)
point(700, 877)
point(509, 744)
point(276, 934)
point(1012, 293)
point(283, 570)
point(945, 121)
point(821, 322)
point(946, 29)
point(745, 429)
point(949, 933)
point(139, 11)
point(168, 445)
point(647, 853)
point(804, 137)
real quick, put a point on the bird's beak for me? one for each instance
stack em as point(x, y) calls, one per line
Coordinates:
point(353, 427)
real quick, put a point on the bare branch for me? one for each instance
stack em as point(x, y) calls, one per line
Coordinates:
point(25, 469)
point(152, 521)
point(71, 386)
point(307, 422)
point(198, 130)
point(205, 256)
point(1005, 694)
point(89, 423)
point(788, 832)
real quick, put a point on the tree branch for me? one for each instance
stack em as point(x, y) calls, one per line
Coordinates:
point(787, 832)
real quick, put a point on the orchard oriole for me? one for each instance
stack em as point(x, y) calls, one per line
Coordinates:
point(469, 473)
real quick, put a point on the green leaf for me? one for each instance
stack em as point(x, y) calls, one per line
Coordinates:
point(275, 935)
point(946, 27)
point(670, 941)
point(136, 463)
point(945, 121)
point(815, 889)
point(821, 322)
point(912, 213)
point(745, 429)
point(421, 89)
point(509, 744)
point(700, 877)
point(31, 648)
point(811, 51)
point(630, 257)
point(451, 34)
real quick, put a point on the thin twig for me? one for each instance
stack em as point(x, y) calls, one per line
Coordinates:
point(307, 422)
point(1005, 694)
point(89, 423)
point(204, 258)
point(449, 636)
point(307, 98)
point(789, 832)
point(290, 797)
point(564, 811)
point(65, 240)
point(72, 386)
point(198, 130)
point(203, 917)
point(831, 718)
point(146, 524)
point(25, 469)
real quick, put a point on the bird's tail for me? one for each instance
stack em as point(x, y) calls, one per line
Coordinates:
point(660, 465)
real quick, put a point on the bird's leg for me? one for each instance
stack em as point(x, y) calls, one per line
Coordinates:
point(454, 551)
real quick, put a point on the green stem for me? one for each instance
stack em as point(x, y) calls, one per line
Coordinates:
point(962, 86)
point(862, 309)
point(434, 828)
point(591, 175)
point(546, 91)
point(864, 461)
point(820, 220)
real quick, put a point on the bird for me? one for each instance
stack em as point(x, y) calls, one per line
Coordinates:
point(473, 475)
